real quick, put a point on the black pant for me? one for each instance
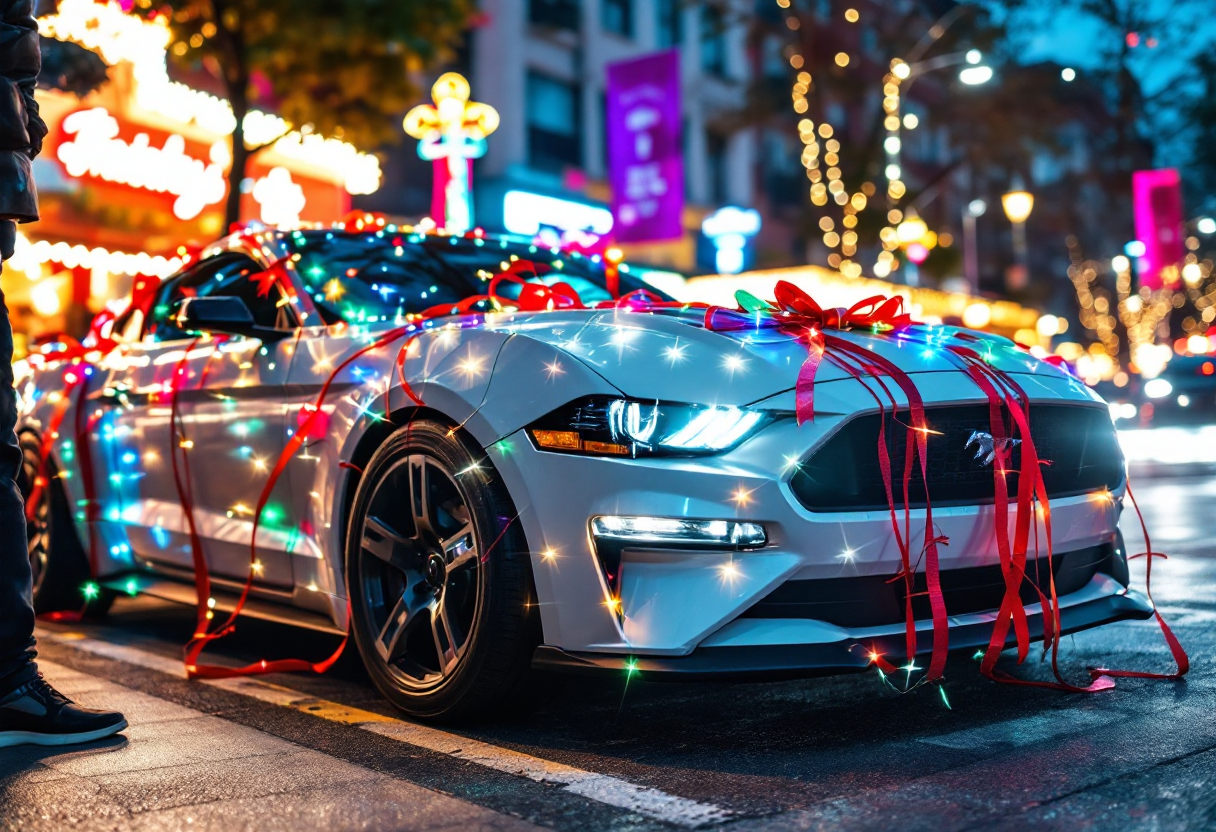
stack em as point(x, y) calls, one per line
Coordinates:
point(16, 603)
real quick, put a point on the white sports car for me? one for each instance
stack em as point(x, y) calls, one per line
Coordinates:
point(600, 490)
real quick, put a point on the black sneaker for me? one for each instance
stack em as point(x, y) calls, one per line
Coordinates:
point(37, 714)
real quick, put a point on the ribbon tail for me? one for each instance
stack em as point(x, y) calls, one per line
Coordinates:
point(804, 390)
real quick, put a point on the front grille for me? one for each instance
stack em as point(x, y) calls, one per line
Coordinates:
point(1077, 447)
point(876, 600)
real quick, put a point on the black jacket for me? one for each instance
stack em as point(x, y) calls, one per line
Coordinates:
point(21, 129)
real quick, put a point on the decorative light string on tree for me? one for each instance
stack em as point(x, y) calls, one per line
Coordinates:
point(821, 146)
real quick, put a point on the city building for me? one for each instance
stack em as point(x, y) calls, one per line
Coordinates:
point(543, 65)
point(136, 168)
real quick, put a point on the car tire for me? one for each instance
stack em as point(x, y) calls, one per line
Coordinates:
point(439, 576)
point(59, 566)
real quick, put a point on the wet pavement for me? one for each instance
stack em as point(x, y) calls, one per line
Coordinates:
point(306, 752)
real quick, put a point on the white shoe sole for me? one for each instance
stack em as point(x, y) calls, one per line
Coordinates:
point(8, 738)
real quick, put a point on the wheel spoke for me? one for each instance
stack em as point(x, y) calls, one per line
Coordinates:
point(385, 543)
point(406, 613)
point(420, 501)
point(448, 642)
point(459, 549)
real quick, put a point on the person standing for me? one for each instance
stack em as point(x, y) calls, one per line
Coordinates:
point(31, 711)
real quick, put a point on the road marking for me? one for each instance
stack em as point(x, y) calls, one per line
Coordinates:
point(1025, 730)
point(602, 788)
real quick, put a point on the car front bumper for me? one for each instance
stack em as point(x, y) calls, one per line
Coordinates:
point(845, 655)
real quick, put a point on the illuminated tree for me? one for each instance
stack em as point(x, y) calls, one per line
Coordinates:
point(826, 76)
point(342, 68)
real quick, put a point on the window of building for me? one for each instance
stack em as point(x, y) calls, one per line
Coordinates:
point(556, 14)
point(772, 58)
point(713, 40)
point(670, 24)
point(617, 17)
point(715, 168)
point(554, 129)
point(781, 168)
point(869, 42)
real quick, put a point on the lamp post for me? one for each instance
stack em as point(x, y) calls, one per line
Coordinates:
point(971, 258)
point(896, 85)
point(1018, 204)
point(452, 134)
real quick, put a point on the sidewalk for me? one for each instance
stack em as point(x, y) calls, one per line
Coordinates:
point(176, 768)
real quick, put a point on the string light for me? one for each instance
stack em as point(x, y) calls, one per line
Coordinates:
point(29, 257)
point(119, 37)
point(95, 149)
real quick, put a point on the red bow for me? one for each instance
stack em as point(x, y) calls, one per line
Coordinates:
point(795, 312)
point(796, 307)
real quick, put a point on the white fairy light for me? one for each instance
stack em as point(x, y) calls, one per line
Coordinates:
point(30, 256)
point(281, 199)
point(96, 150)
point(119, 37)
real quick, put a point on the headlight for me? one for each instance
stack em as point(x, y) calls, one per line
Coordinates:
point(603, 425)
point(680, 531)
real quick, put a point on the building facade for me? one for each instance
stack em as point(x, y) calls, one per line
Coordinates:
point(135, 171)
point(543, 65)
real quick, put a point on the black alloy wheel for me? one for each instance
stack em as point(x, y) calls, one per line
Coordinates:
point(58, 563)
point(438, 575)
point(38, 520)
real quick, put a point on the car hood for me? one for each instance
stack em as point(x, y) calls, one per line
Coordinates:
point(671, 355)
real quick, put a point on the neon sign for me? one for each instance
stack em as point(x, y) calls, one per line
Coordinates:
point(96, 150)
point(525, 213)
point(729, 229)
point(118, 37)
point(451, 134)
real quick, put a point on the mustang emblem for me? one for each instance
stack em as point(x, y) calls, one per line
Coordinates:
point(987, 449)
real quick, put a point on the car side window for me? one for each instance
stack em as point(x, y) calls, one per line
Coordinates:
point(230, 274)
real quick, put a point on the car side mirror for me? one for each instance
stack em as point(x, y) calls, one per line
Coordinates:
point(222, 315)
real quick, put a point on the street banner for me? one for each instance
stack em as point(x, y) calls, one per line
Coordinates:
point(1158, 209)
point(645, 159)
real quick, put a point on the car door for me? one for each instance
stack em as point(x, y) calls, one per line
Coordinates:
point(132, 426)
point(230, 405)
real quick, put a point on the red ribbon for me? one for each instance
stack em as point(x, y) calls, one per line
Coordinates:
point(793, 312)
point(796, 313)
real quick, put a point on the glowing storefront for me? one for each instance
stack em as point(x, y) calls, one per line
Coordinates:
point(137, 169)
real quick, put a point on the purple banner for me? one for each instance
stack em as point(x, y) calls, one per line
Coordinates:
point(644, 153)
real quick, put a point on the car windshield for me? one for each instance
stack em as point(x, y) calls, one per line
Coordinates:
point(381, 276)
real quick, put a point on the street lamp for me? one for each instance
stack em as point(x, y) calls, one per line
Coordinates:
point(903, 75)
point(971, 259)
point(1018, 204)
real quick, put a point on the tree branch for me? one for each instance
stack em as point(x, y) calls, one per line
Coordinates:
point(252, 151)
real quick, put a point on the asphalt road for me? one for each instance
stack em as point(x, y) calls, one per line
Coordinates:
point(839, 753)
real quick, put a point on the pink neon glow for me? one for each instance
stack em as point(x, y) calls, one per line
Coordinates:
point(1158, 211)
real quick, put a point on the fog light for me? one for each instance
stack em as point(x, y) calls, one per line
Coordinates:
point(678, 531)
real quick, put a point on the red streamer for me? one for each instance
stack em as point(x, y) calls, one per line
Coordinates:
point(793, 312)
point(797, 314)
